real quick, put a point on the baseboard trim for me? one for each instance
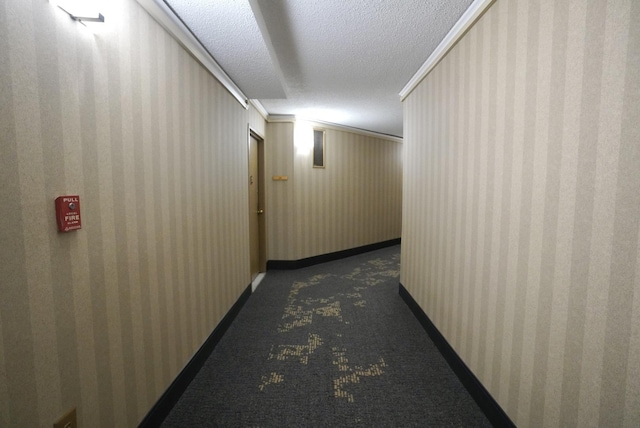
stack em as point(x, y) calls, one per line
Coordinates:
point(310, 261)
point(482, 397)
point(165, 403)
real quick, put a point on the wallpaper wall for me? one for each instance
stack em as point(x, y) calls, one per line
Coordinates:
point(355, 200)
point(104, 318)
point(280, 208)
point(521, 213)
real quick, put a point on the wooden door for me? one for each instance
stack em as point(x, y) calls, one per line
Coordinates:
point(256, 206)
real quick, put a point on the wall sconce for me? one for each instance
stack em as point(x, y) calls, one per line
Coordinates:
point(80, 10)
point(303, 137)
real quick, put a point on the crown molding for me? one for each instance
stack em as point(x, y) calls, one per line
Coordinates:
point(280, 118)
point(345, 128)
point(167, 18)
point(289, 118)
point(466, 21)
point(260, 108)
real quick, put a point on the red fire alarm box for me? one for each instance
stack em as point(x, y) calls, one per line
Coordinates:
point(68, 213)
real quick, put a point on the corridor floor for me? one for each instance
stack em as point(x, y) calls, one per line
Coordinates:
point(329, 345)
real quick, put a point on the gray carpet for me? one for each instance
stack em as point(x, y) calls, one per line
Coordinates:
point(326, 346)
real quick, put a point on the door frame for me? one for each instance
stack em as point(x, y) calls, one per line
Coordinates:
point(262, 223)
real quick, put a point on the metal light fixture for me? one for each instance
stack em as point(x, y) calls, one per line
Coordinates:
point(80, 10)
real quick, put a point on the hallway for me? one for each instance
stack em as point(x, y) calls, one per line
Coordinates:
point(328, 345)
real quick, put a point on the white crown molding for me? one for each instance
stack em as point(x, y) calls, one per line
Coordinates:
point(466, 21)
point(280, 118)
point(345, 128)
point(163, 14)
point(289, 118)
point(260, 108)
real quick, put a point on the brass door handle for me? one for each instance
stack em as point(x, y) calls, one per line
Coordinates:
point(260, 211)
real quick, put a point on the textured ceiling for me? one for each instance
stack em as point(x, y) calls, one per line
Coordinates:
point(228, 30)
point(339, 61)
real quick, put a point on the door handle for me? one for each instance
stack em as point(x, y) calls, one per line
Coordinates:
point(260, 211)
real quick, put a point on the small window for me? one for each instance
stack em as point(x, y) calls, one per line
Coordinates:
point(318, 148)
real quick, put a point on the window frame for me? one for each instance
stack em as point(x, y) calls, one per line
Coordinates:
point(324, 148)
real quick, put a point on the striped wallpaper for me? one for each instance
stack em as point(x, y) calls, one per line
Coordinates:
point(354, 201)
point(521, 212)
point(104, 318)
point(280, 209)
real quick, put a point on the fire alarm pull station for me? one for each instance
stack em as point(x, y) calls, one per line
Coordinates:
point(68, 213)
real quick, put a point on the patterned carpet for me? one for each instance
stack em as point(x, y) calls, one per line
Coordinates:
point(329, 345)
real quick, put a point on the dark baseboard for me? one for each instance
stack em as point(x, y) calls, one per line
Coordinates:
point(482, 397)
point(163, 406)
point(310, 261)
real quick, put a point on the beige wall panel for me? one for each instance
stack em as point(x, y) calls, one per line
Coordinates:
point(104, 318)
point(520, 209)
point(355, 200)
point(257, 122)
point(280, 204)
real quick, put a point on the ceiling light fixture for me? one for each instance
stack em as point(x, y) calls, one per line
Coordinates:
point(80, 10)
